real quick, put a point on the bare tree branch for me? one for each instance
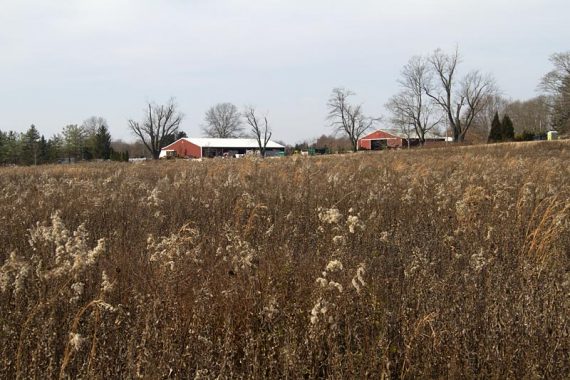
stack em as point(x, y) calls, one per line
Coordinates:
point(159, 122)
point(223, 121)
point(347, 118)
point(411, 108)
point(259, 128)
point(461, 102)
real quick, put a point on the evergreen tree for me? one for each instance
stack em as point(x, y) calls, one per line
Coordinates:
point(12, 148)
point(30, 146)
point(495, 134)
point(507, 130)
point(3, 142)
point(102, 143)
point(74, 141)
point(54, 148)
point(43, 155)
point(172, 137)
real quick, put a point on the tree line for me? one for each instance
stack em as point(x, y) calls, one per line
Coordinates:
point(432, 97)
point(89, 141)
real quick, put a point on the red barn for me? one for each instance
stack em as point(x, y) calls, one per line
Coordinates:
point(384, 139)
point(214, 147)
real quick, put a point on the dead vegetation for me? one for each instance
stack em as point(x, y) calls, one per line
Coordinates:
point(431, 263)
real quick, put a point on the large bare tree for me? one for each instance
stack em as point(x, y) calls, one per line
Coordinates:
point(158, 123)
point(347, 118)
point(223, 120)
point(556, 84)
point(412, 110)
point(460, 100)
point(259, 128)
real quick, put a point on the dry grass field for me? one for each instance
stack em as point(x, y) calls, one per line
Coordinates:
point(451, 262)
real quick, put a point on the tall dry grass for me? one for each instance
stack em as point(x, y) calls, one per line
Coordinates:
point(429, 263)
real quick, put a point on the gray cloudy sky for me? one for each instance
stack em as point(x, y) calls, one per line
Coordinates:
point(62, 61)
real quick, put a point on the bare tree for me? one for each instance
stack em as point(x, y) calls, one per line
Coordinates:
point(159, 122)
point(412, 110)
point(463, 100)
point(532, 115)
point(347, 118)
point(555, 81)
point(223, 120)
point(92, 125)
point(259, 127)
point(556, 84)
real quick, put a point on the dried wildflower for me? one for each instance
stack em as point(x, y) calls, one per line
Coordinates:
point(334, 266)
point(153, 198)
point(106, 285)
point(358, 280)
point(329, 216)
point(478, 261)
point(178, 246)
point(353, 222)
point(77, 289)
point(322, 282)
point(339, 240)
point(105, 306)
point(76, 341)
point(270, 311)
point(14, 273)
point(335, 285)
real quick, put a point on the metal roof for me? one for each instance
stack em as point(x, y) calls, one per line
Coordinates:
point(399, 133)
point(229, 143)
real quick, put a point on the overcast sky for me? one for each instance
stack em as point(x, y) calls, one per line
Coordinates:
point(62, 61)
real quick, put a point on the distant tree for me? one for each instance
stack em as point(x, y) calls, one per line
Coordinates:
point(463, 100)
point(259, 128)
point(55, 148)
point(11, 148)
point(334, 144)
point(411, 108)
point(173, 137)
point(91, 127)
point(496, 132)
point(74, 141)
point(223, 121)
point(30, 146)
point(101, 143)
point(556, 84)
point(507, 129)
point(3, 147)
point(530, 116)
point(347, 118)
point(158, 123)
point(43, 155)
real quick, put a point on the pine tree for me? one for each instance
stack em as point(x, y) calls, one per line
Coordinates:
point(507, 130)
point(43, 155)
point(30, 146)
point(495, 134)
point(102, 143)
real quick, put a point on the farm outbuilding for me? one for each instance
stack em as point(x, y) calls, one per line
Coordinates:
point(216, 147)
point(384, 139)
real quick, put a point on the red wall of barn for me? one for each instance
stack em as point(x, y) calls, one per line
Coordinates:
point(185, 148)
point(393, 141)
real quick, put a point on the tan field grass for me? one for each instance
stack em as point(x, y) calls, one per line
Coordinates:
point(448, 262)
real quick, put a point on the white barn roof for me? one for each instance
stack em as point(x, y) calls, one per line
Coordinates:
point(229, 143)
point(428, 135)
